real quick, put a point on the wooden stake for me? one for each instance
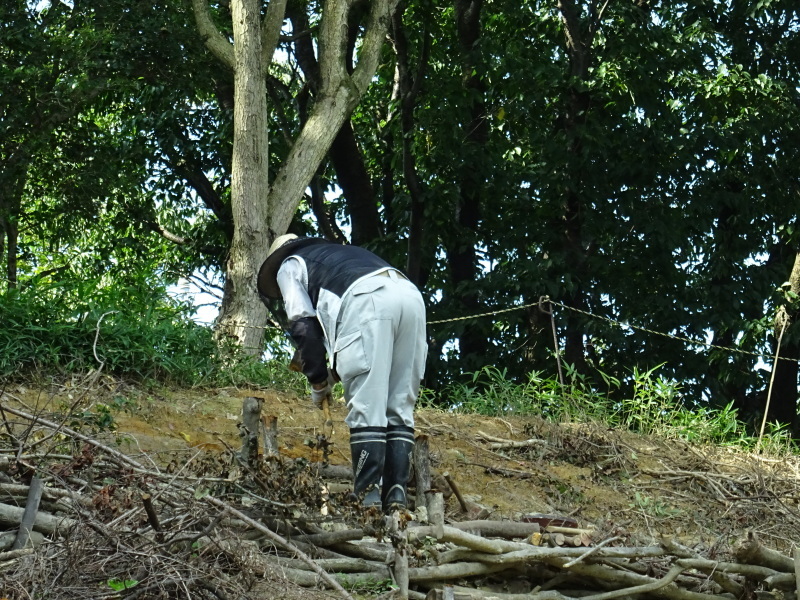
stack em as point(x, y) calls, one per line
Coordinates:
point(270, 424)
point(422, 470)
point(249, 432)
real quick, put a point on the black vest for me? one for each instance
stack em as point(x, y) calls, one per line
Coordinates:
point(335, 267)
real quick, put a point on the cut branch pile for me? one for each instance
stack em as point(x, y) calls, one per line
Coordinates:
point(85, 520)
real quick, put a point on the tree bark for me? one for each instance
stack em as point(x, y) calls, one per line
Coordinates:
point(10, 202)
point(242, 317)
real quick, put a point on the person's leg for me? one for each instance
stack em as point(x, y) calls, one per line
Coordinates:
point(407, 367)
point(362, 360)
point(410, 349)
point(397, 467)
point(368, 450)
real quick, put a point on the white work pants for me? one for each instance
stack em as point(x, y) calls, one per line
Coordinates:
point(380, 350)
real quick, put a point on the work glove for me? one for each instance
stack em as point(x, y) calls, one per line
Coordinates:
point(318, 396)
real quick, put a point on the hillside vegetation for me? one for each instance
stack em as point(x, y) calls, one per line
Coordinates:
point(655, 473)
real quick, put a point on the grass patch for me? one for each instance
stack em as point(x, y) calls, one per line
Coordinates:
point(656, 406)
point(136, 333)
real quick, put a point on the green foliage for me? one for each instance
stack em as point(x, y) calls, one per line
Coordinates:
point(656, 407)
point(119, 585)
point(636, 182)
point(654, 507)
point(132, 331)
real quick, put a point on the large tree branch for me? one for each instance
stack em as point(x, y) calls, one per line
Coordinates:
point(339, 95)
point(212, 38)
point(271, 31)
point(329, 228)
point(168, 235)
point(333, 44)
point(304, 49)
point(370, 52)
point(578, 46)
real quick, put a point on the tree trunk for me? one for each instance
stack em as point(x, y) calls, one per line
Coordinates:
point(339, 94)
point(462, 254)
point(12, 185)
point(353, 178)
point(242, 316)
point(783, 403)
point(12, 234)
point(261, 213)
point(578, 43)
point(408, 86)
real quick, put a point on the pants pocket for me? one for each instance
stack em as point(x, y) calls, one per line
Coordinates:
point(350, 360)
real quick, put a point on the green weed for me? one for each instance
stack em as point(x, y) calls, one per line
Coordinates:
point(367, 587)
point(119, 585)
point(655, 406)
point(653, 506)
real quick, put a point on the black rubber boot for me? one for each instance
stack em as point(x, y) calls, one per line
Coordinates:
point(399, 451)
point(368, 449)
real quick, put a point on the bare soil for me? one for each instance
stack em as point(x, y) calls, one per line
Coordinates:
point(640, 489)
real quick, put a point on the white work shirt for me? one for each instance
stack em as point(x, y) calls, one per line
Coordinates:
point(293, 281)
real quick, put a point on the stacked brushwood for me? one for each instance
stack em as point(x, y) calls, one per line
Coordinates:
point(83, 519)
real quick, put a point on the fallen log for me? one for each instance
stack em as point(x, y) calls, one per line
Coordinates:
point(797, 569)
point(462, 538)
point(504, 529)
point(336, 565)
point(14, 554)
point(755, 572)
point(753, 552)
point(624, 579)
point(451, 571)
point(368, 552)
point(536, 553)
point(465, 593)
point(521, 551)
point(15, 490)
point(497, 443)
point(315, 552)
point(330, 538)
point(11, 516)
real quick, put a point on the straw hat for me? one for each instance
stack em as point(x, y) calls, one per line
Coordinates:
point(281, 248)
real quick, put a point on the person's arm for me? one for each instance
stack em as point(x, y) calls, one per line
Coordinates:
point(304, 329)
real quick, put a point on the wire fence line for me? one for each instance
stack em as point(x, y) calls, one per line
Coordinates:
point(541, 303)
point(546, 301)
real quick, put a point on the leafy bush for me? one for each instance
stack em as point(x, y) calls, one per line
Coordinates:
point(656, 406)
point(133, 331)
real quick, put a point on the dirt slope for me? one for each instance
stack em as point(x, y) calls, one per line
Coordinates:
point(605, 479)
point(634, 488)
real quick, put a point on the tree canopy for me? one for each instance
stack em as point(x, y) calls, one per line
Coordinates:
point(633, 162)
